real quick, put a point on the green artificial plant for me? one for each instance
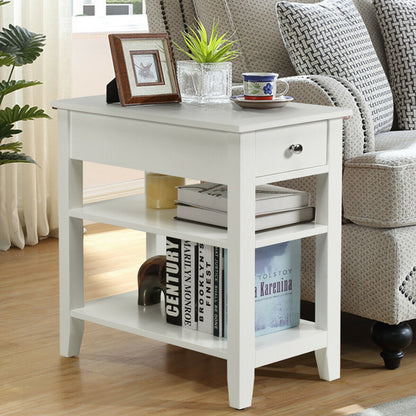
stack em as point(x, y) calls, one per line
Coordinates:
point(18, 47)
point(208, 50)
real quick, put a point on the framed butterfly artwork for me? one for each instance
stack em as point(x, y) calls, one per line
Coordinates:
point(144, 68)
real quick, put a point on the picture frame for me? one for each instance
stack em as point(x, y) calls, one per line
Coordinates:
point(144, 68)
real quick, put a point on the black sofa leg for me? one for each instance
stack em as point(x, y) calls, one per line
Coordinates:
point(393, 339)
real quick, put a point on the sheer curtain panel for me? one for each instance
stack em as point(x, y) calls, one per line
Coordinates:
point(29, 193)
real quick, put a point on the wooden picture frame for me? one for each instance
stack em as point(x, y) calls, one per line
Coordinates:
point(144, 68)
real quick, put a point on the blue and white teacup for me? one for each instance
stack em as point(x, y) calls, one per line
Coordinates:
point(262, 86)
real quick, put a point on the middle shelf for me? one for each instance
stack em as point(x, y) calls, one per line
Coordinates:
point(131, 212)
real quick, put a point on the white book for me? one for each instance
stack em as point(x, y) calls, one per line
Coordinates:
point(277, 287)
point(173, 294)
point(205, 289)
point(263, 222)
point(269, 198)
point(188, 284)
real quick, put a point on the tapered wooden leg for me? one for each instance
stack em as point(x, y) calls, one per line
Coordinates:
point(393, 339)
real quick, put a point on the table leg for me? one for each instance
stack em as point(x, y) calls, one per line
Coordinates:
point(71, 285)
point(71, 256)
point(155, 244)
point(328, 261)
point(240, 290)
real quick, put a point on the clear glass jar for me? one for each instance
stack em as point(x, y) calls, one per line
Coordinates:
point(161, 192)
point(204, 83)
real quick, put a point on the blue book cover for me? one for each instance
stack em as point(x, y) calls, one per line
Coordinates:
point(277, 287)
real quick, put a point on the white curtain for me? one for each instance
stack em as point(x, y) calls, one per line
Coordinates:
point(29, 193)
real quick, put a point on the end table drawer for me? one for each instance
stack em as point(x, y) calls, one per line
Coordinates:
point(291, 148)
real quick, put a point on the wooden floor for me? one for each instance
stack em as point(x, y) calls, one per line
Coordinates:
point(121, 374)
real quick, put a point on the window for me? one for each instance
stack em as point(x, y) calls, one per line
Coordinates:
point(109, 16)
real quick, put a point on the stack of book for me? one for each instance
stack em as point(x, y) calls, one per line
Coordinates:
point(276, 206)
point(196, 286)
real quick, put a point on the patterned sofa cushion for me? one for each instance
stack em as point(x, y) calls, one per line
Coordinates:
point(261, 50)
point(397, 19)
point(379, 188)
point(379, 273)
point(330, 38)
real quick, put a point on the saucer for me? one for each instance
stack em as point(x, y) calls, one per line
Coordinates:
point(275, 103)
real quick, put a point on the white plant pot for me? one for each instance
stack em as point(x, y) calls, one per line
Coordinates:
point(204, 83)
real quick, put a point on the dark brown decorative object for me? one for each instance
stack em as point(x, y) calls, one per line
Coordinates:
point(393, 339)
point(151, 280)
point(144, 68)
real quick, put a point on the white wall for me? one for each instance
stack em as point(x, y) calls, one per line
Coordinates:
point(92, 69)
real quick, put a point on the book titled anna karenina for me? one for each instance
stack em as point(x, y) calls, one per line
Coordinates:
point(277, 287)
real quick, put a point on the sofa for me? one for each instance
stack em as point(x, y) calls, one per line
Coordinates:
point(379, 172)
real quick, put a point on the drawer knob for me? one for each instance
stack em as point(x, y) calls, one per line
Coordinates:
point(296, 148)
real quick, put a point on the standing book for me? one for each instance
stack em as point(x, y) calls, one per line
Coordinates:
point(205, 288)
point(188, 283)
point(217, 292)
point(269, 198)
point(173, 296)
point(277, 287)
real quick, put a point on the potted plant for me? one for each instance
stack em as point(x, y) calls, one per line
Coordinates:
point(207, 77)
point(18, 47)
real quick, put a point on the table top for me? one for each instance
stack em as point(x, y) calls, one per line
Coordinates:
point(224, 117)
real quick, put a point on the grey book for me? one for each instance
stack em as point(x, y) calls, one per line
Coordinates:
point(263, 221)
point(269, 198)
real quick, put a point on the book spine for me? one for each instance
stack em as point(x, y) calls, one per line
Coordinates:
point(201, 286)
point(205, 288)
point(188, 284)
point(216, 292)
point(221, 285)
point(196, 282)
point(173, 281)
point(225, 291)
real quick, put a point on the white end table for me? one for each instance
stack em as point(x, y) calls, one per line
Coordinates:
point(219, 143)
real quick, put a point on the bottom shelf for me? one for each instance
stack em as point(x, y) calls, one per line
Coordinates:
point(122, 312)
point(290, 343)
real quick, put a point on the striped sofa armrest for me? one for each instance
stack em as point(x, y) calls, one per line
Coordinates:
point(358, 134)
point(172, 17)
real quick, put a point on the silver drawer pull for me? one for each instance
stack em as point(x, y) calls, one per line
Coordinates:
point(296, 148)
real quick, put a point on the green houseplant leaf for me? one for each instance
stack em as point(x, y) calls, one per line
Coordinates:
point(203, 50)
point(7, 87)
point(5, 59)
point(7, 130)
point(22, 45)
point(13, 146)
point(12, 115)
point(13, 157)
point(18, 47)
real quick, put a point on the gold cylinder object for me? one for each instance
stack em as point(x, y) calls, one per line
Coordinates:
point(161, 191)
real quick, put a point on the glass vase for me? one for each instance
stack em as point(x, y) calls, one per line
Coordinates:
point(205, 83)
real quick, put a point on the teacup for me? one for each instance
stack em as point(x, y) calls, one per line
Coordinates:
point(262, 86)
